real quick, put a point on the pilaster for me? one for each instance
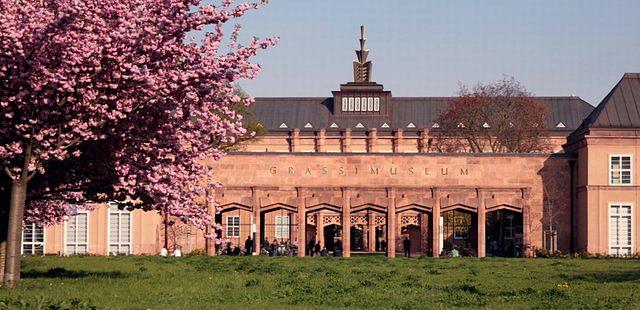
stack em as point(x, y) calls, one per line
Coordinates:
point(346, 222)
point(435, 224)
point(392, 226)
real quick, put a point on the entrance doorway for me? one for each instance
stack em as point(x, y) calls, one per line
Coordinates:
point(504, 233)
point(331, 236)
point(357, 238)
point(459, 232)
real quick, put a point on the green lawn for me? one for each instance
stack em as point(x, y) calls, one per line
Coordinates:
point(358, 282)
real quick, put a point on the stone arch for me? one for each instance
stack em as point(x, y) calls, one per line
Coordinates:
point(369, 206)
point(503, 206)
point(459, 206)
point(324, 206)
point(277, 206)
point(235, 206)
point(414, 207)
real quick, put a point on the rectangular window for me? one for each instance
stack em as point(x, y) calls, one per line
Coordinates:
point(370, 104)
point(620, 230)
point(32, 240)
point(119, 231)
point(509, 228)
point(376, 104)
point(77, 234)
point(282, 227)
point(350, 103)
point(233, 226)
point(345, 103)
point(357, 104)
point(619, 170)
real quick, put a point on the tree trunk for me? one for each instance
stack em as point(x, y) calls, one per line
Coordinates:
point(14, 233)
point(5, 194)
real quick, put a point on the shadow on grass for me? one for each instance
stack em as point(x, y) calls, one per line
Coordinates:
point(607, 277)
point(71, 274)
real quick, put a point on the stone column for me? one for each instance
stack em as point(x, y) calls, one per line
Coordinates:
point(319, 229)
point(392, 227)
point(294, 140)
point(345, 141)
point(372, 141)
point(255, 201)
point(435, 224)
point(302, 223)
point(526, 222)
point(423, 142)
point(398, 141)
point(372, 231)
point(482, 224)
point(346, 223)
point(320, 140)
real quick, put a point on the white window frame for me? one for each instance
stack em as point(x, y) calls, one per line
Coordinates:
point(621, 170)
point(76, 244)
point(632, 232)
point(345, 103)
point(376, 104)
point(280, 228)
point(119, 244)
point(226, 221)
point(370, 104)
point(34, 243)
point(350, 104)
point(357, 100)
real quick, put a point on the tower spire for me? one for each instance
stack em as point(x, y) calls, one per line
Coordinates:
point(362, 67)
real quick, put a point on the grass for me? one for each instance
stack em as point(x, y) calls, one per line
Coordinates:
point(359, 282)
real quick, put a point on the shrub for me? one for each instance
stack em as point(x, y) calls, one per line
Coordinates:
point(545, 253)
point(198, 252)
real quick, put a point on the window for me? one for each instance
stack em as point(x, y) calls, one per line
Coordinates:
point(620, 230)
point(233, 226)
point(376, 104)
point(619, 170)
point(77, 234)
point(33, 240)
point(350, 103)
point(119, 230)
point(345, 103)
point(282, 226)
point(357, 104)
point(509, 228)
point(370, 104)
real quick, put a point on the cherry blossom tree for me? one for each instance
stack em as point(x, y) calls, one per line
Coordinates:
point(125, 75)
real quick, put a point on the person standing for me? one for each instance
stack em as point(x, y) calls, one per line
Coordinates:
point(317, 248)
point(310, 246)
point(274, 247)
point(248, 246)
point(383, 245)
point(406, 243)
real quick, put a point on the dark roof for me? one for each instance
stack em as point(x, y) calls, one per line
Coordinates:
point(419, 111)
point(620, 108)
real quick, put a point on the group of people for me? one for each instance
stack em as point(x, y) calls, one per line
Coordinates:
point(287, 248)
point(283, 248)
point(176, 252)
point(317, 249)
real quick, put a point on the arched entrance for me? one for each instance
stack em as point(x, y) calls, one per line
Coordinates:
point(368, 228)
point(504, 233)
point(459, 232)
point(332, 237)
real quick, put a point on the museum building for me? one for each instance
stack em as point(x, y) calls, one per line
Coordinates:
point(357, 171)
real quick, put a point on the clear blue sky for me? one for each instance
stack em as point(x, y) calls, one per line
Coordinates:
point(426, 47)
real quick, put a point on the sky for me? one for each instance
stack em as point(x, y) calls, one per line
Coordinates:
point(430, 47)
